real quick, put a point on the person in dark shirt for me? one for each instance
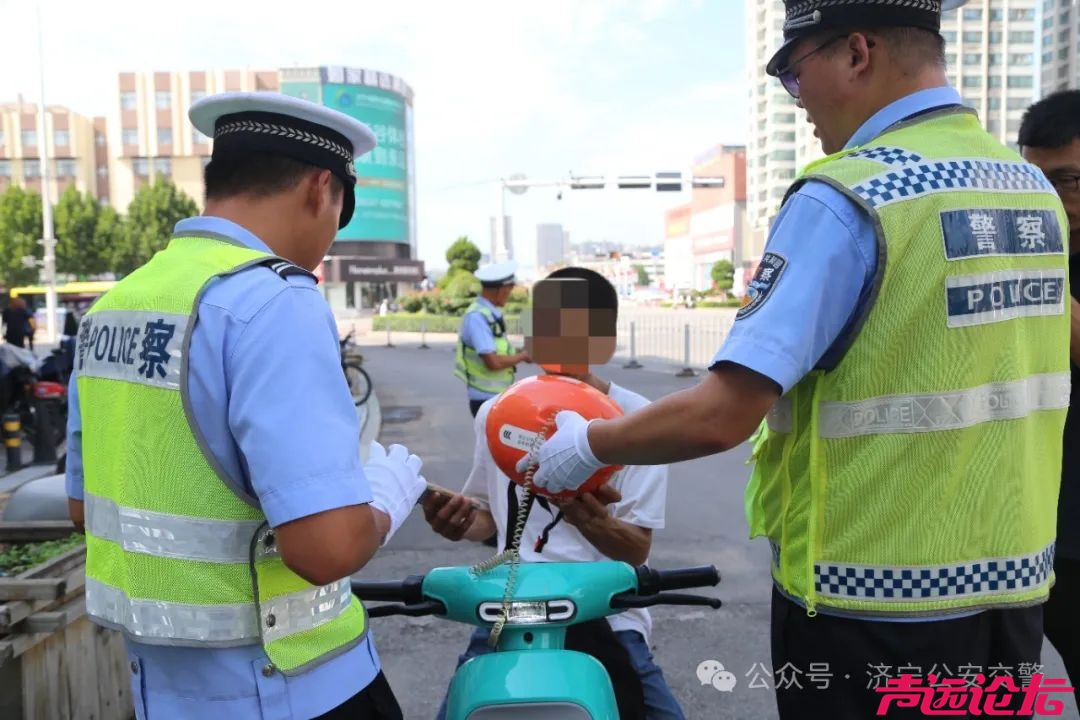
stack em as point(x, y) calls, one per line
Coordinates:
point(16, 319)
point(71, 322)
point(1050, 139)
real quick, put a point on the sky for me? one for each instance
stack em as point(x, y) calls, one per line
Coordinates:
point(544, 88)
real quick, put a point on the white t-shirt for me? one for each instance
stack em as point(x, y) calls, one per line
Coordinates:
point(644, 501)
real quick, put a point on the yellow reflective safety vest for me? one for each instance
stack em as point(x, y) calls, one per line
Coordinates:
point(469, 367)
point(174, 554)
point(919, 474)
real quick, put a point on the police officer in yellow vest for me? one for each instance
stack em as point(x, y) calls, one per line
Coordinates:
point(908, 339)
point(213, 447)
point(485, 360)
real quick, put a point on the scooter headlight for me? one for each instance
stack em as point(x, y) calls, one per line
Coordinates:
point(528, 612)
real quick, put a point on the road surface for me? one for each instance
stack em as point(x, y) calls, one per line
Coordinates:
point(425, 408)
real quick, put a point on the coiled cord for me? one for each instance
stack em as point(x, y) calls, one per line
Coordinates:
point(512, 554)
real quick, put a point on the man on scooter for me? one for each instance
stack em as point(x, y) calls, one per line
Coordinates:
point(573, 327)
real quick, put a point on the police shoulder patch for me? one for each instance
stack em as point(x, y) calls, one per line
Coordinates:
point(769, 270)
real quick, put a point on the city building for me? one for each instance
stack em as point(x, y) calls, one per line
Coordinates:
point(76, 147)
point(992, 49)
point(993, 53)
point(151, 135)
point(502, 248)
point(718, 217)
point(1060, 45)
point(678, 250)
point(551, 245)
point(620, 267)
point(372, 257)
point(780, 140)
point(712, 226)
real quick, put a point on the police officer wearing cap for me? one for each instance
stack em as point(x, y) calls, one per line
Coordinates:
point(213, 451)
point(485, 360)
point(908, 339)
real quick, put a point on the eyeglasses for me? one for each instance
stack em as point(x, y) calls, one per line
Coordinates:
point(787, 75)
point(1066, 183)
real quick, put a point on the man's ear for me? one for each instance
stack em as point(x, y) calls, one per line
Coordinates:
point(318, 190)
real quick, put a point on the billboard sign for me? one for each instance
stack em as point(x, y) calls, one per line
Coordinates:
point(383, 211)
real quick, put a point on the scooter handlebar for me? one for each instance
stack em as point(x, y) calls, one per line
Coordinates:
point(409, 591)
point(651, 582)
point(410, 598)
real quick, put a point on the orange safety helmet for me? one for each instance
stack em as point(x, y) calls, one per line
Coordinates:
point(527, 409)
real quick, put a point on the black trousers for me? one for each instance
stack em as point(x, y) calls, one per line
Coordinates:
point(829, 667)
point(1060, 615)
point(375, 702)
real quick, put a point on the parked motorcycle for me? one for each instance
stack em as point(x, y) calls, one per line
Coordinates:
point(29, 384)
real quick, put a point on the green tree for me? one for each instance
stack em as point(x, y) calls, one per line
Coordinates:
point(723, 275)
point(110, 235)
point(463, 285)
point(20, 236)
point(151, 216)
point(642, 275)
point(463, 255)
point(85, 245)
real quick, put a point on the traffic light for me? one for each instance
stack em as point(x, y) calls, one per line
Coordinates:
point(587, 183)
point(668, 182)
point(709, 182)
point(633, 182)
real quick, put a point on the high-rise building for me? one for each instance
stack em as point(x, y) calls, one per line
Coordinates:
point(780, 138)
point(992, 49)
point(502, 249)
point(1061, 45)
point(551, 245)
point(993, 53)
point(75, 145)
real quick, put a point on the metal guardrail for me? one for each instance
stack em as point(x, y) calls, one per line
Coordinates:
point(687, 340)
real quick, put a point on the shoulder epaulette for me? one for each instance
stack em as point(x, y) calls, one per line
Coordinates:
point(286, 269)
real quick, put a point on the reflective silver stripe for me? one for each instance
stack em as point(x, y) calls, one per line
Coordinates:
point(779, 417)
point(172, 536)
point(175, 623)
point(132, 345)
point(946, 411)
point(304, 609)
point(237, 624)
point(984, 577)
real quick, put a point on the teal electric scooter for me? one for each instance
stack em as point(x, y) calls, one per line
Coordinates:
point(531, 675)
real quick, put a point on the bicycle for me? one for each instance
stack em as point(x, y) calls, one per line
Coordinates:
point(531, 673)
point(359, 381)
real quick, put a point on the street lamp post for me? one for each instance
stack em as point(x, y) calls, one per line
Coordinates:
point(48, 241)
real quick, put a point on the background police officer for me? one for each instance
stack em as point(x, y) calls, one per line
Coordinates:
point(214, 457)
point(485, 359)
point(908, 315)
point(1050, 138)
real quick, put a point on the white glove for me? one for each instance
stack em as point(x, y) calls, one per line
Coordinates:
point(565, 460)
point(395, 481)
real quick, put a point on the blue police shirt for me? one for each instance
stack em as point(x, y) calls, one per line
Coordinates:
point(828, 251)
point(476, 333)
point(260, 394)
